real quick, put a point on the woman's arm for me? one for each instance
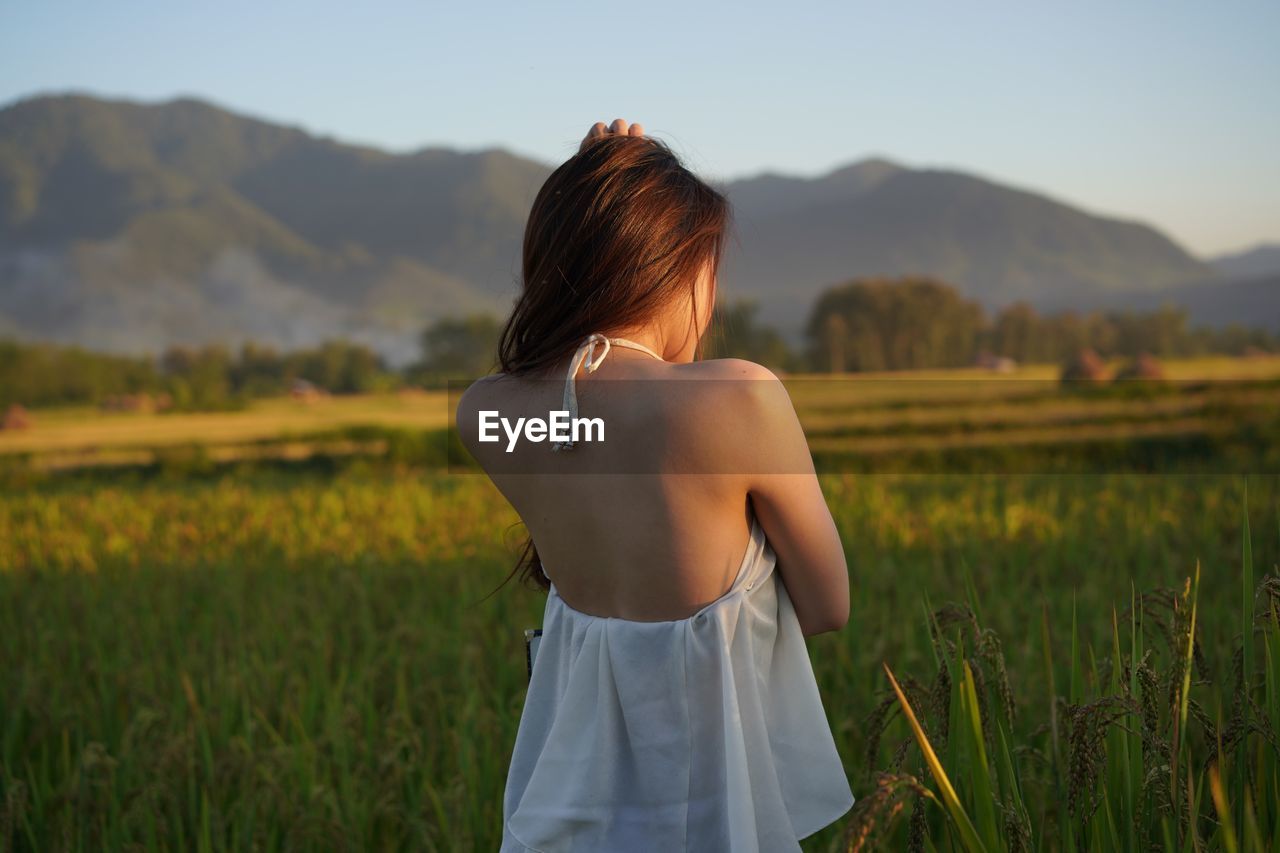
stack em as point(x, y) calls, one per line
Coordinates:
point(788, 501)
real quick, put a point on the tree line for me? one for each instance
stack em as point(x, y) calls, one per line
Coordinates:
point(861, 325)
point(206, 377)
point(900, 324)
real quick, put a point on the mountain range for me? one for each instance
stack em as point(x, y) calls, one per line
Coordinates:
point(128, 226)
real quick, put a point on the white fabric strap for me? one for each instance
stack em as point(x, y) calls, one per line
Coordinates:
point(586, 356)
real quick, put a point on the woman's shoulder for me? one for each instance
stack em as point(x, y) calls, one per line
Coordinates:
point(479, 387)
point(487, 390)
point(735, 385)
point(484, 393)
point(736, 406)
point(728, 369)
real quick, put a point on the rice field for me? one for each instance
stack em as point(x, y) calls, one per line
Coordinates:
point(307, 656)
point(852, 420)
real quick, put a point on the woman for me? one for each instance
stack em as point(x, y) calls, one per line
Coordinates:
point(685, 545)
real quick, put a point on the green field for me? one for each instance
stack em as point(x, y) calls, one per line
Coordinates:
point(303, 656)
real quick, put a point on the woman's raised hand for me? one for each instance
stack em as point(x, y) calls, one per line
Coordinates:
point(618, 128)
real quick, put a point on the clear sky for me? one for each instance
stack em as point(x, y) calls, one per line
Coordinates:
point(1166, 112)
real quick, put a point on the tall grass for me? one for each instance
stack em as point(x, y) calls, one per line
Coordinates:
point(309, 661)
point(1123, 760)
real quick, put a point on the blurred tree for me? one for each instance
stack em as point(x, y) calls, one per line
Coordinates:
point(41, 374)
point(1163, 333)
point(1235, 340)
point(836, 331)
point(459, 348)
point(1017, 333)
point(259, 371)
point(337, 366)
point(199, 378)
point(894, 324)
point(736, 333)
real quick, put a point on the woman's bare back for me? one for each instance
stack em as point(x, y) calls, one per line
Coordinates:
point(652, 522)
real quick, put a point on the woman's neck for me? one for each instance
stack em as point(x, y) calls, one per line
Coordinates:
point(670, 347)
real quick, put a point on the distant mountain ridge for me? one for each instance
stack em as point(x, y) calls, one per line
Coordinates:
point(129, 226)
point(1252, 301)
point(1255, 262)
point(774, 194)
point(997, 244)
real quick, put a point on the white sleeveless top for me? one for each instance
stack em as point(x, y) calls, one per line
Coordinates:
point(700, 734)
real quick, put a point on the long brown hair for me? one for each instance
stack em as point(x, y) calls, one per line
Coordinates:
point(616, 233)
